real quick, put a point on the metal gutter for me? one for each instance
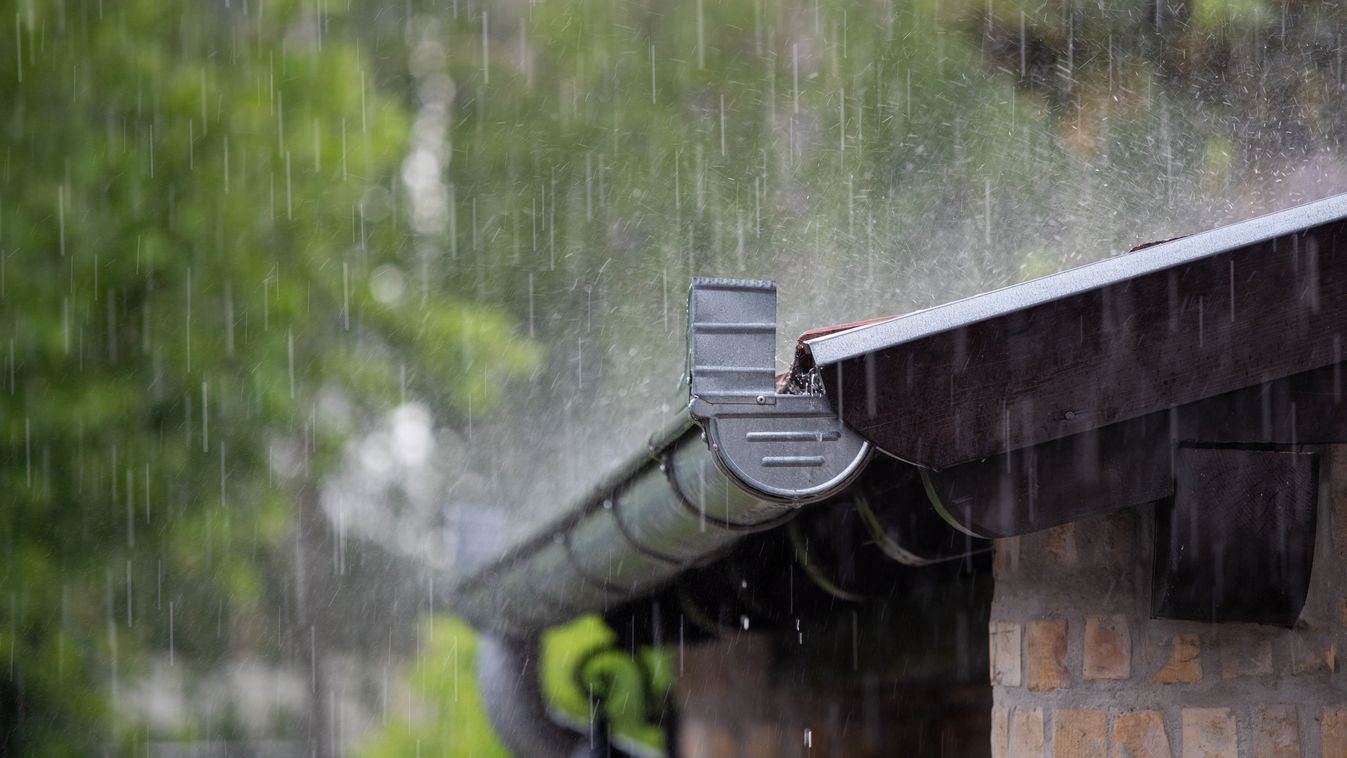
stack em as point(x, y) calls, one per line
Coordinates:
point(741, 458)
point(667, 509)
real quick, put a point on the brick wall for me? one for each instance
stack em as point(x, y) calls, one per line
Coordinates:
point(1078, 668)
point(749, 697)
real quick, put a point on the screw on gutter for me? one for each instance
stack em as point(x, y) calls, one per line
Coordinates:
point(762, 399)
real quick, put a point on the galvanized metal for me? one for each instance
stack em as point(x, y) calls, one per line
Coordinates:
point(669, 510)
point(781, 446)
point(741, 458)
point(840, 346)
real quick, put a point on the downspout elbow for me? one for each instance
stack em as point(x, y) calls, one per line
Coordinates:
point(508, 681)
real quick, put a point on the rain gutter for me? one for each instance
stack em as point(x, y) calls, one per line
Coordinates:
point(742, 457)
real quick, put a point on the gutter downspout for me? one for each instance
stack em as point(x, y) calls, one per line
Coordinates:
point(508, 681)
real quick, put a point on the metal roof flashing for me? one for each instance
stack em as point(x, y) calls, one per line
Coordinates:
point(851, 343)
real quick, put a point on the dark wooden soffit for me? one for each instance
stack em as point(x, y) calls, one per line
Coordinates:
point(1116, 340)
point(1133, 462)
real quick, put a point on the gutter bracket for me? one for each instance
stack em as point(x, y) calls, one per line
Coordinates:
point(781, 447)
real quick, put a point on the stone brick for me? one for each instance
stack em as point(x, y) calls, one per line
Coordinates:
point(1061, 544)
point(1333, 731)
point(1006, 556)
point(1239, 658)
point(1005, 653)
point(695, 737)
point(722, 743)
point(1140, 734)
point(1340, 519)
point(1276, 732)
point(763, 740)
point(1045, 653)
point(1079, 734)
point(1026, 733)
point(1117, 543)
point(1000, 732)
point(1309, 655)
point(1108, 647)
point(1183, 665)
point(1209, 733)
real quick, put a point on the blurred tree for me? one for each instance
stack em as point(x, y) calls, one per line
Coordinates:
point(596, 147)
point(1239, 97)
point(203, 288)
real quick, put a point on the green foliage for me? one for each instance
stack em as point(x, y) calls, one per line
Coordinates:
point(581, 671)
point(191, 210)
point(1236, 15)
point(452, 722)
point(630, 147)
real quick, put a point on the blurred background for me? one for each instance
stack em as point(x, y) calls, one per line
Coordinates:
point(291, 293)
